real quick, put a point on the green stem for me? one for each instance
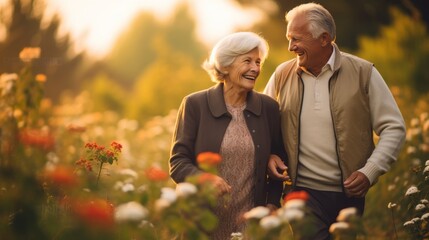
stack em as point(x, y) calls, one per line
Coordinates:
point(99, 172)
point(394, 225)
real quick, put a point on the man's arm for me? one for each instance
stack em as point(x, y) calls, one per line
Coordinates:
point(388, 124)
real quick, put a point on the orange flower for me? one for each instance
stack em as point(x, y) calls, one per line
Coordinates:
point(205, 178)
point(96, 213)
point(61, 176)
point(209, 158)
point(40, 78)
point(156, 174)
point(302, 195)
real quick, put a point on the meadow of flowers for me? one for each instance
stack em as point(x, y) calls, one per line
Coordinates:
point(69, 173)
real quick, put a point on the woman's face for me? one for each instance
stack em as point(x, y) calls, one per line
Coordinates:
point(242, 73)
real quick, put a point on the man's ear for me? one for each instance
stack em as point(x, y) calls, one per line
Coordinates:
point(325, 39)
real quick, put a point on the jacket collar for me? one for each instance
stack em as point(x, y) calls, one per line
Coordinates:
point(338, 56)
point(217, 104)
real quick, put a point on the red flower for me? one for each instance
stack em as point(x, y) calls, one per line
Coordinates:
point(91, 145)
point(209, 158)
point(116, 146)
point(156, 174)
point(96, 213)
point(61, 176)
point(37, 138)
point(302, 195)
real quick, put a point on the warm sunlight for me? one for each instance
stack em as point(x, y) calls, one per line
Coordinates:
point(98, 32)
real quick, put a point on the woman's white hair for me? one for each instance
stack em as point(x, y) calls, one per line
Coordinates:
point(228, 48)
point(319, 19)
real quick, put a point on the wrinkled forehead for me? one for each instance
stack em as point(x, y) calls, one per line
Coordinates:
point(297, 23)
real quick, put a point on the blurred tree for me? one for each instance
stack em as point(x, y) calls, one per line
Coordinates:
point(400, 52)
point(159, 62)
point(174, 74)
point(106, 94)
point(133, 51)
point(164, 83)
point(353, 19)
point(22, 20)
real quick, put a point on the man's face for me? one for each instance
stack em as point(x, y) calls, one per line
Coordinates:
point(307, 49)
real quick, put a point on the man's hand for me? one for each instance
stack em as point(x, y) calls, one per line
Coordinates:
point(276, 168)
point(357, 185)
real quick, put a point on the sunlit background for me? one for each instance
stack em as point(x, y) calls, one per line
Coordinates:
point(98, 23)
point(117, 70)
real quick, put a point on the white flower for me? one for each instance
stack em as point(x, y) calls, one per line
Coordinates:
point(290, 215)
point(128, 187)
point(161, 204)
point(236, 236)
point(270, 222)
point(424, 201)
point(427, 163)
point(416, 162)
point(391, 205)
point(131, 211)
point(420, 206)
point(411, 149)
point(128, 172)
point(127, 124)
point(425, 216)
point(346, 214)
point(424, 147)
point(412, 190)
point(145, 223)
point(295, 203)
point(118, 185)
point(412, 132)
point(338, 226)
point(257, 212)
point(7, 81)
point(414, 122)
point(185, 189)
point(408, 223)
point(168, 194)
point(143, 188)
point(426, 170)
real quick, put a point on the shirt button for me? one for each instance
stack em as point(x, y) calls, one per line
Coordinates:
point(248, 115)
point(258, 146)
point(253, 131)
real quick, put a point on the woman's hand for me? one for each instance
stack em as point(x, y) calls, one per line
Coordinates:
point(221, 186)
point(272, 207)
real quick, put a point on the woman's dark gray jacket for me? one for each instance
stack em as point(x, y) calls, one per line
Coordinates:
point(201, 124)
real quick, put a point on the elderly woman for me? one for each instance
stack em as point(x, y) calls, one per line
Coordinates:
point(235, 121)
